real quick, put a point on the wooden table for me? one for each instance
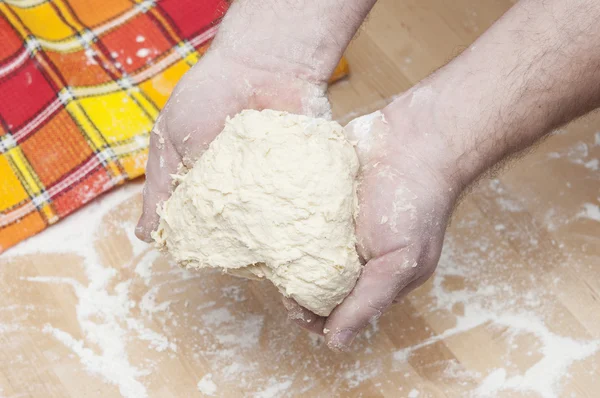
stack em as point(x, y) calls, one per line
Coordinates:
point(513, 309)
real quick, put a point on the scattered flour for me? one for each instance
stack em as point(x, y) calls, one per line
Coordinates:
point(590, 211)
point(413, 393)
point(217, 316)
point(361, 372)
point(207, 386)
point(104, 314)
point(117, 371)
point(506, 202)
point(275, 389)
point(142, 52)
point(491, 384)
point(579, 154)
point(208, 318)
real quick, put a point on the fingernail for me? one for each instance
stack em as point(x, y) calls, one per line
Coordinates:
point(342, 340)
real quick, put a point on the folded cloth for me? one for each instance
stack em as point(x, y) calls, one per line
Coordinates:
point(81, 84)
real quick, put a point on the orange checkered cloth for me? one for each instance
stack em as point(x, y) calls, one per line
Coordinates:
point(81, 84)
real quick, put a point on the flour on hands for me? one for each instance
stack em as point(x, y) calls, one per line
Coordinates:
point(274, 197)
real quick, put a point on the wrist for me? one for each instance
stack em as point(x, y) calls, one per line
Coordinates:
point(512, 86)
point(280, 63)
point(460, 118)
point(421, 138)
point(305, 39)
point(255, 88)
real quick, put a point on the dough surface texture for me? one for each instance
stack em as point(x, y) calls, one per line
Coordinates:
point(274, 197)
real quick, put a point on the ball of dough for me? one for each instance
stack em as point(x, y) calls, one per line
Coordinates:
point(274, 197)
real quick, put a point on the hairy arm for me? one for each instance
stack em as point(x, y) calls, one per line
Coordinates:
point(535, 69)
point(307, 35)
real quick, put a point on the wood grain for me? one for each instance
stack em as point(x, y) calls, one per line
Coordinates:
point(517, 289)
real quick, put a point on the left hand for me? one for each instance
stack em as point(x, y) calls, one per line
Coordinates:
point(405, 201)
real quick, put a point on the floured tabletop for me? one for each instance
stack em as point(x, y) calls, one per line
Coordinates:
point(512, 310)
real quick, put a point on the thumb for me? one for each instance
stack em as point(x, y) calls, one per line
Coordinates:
point(364, 132)
point(382, 280)
point(163, 161)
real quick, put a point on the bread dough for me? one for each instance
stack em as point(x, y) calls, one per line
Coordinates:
point(274, 197)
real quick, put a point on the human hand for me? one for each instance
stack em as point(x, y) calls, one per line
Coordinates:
point(218, 86)
point(261, 58)
point(509, 89)
point(405, 201)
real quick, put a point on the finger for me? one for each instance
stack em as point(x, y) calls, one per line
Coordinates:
point(410, 287)
point(303, 317)
point(383, 278)
point(163, 161)
point(363, 133)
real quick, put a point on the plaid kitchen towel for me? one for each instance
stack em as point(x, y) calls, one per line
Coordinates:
point(81, 83)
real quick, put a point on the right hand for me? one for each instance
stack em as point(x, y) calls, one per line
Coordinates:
point(217, 87)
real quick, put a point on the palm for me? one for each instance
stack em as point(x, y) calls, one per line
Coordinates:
point(211, 91)
point(215, 89)
point(403, 211)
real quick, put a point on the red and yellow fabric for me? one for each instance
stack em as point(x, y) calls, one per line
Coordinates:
point(81, 83)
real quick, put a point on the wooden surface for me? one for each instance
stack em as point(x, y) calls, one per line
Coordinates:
point(513, 310)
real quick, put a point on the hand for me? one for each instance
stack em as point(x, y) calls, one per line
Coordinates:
point(217, 87)
point(404, 206)
point(261, 58)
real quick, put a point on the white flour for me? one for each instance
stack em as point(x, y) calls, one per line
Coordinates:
point(492, 383)
point(275, 389)
point(413, 393)
point(422, 96)
point(135, 314)
point(206, 386)
point(103, 316)
point(590, 211)
point(578, 154)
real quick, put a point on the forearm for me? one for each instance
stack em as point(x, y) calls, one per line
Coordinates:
point(538, 67)
point(309, 36)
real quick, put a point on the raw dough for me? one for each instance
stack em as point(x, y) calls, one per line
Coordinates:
point(274, 196)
